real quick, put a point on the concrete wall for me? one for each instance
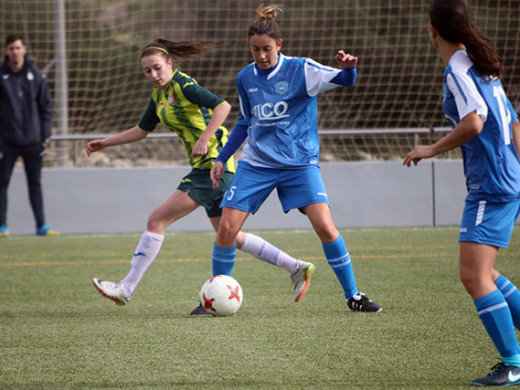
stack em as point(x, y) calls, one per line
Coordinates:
point(362, 194)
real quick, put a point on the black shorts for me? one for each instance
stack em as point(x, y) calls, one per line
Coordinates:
point(199, 187)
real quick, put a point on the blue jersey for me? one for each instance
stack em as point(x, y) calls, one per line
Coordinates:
point(491, 162)
point(279, 107)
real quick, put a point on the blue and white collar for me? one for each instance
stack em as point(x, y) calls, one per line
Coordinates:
point(271, 72)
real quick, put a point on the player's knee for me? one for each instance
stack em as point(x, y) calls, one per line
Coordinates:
point(473, 283)
point(227, 231)
point(155, 224)
point(326, 233)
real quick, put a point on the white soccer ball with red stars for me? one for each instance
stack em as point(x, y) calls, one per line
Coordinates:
point(221, 296)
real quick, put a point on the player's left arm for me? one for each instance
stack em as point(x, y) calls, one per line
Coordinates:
point(347, 76)
point(320, 78)
point(45, 111)
point(346, 60)
point(220, 114)
point(205, 98)
point(516, 135)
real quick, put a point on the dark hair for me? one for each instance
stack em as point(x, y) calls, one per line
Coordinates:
point(451, 20)
point(177, 49)
point(265, 23)
point(11, 38)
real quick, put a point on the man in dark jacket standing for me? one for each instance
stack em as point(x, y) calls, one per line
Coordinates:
point(25, 128)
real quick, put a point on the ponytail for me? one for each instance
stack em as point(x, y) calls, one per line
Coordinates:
point(265, 23)
point(177, 49)
point(450, 18)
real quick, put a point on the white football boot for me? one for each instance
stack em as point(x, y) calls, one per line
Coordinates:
point(111, 290)
point(301, 280)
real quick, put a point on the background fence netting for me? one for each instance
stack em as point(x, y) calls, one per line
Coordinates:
point(399, 73)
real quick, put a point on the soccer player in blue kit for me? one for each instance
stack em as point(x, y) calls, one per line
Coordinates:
point(488, 132)
point(278, 116)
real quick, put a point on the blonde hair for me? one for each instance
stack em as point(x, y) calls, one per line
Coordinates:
point(265, 23)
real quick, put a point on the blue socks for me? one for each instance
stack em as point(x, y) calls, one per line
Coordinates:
point(495, 315)
point(339, 259)
point(512, 296)
point(223, 260)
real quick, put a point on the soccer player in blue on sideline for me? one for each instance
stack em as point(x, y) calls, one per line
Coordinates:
point(196, 115)
point(278, 116)
point(488, 132)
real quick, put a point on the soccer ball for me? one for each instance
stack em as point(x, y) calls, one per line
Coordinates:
point(221, 296)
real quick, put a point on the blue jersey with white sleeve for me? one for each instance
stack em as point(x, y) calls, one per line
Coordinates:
point(279, 107)
point(491, 161)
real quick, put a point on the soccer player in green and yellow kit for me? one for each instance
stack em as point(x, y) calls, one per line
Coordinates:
point(196, 115)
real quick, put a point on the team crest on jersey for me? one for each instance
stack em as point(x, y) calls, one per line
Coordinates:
point(171, 100)
point(281, 87)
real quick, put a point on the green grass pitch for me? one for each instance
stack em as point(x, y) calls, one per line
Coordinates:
point(58, 332)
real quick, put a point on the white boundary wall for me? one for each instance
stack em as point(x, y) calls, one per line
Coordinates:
point(362, 194)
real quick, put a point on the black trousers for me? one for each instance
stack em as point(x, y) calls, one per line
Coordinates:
point(32, 160)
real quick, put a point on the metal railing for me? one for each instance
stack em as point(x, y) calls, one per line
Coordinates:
point(165, 148)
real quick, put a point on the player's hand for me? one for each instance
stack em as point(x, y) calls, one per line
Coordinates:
point(94, 146)
point(418, 153)
point(346, 60)
point(216, 174)
point(199, 149)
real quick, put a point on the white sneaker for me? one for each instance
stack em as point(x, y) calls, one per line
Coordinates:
point(111, 290)
point(301, 280)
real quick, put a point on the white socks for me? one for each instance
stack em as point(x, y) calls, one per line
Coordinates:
point(261, 249)
point(150, 245)
point(145, 253)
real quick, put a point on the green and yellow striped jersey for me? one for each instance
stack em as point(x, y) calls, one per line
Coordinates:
point(185, 108)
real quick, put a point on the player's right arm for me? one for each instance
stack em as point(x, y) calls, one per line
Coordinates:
point(469, 127)
point(133, 134)
point(147, 124)
point(236, 138)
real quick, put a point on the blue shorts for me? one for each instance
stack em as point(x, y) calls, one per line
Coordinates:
point(296, 188)
point(489, 223)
